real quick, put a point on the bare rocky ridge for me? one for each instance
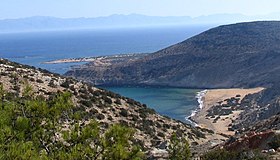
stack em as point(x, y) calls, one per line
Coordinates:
point(152, 129)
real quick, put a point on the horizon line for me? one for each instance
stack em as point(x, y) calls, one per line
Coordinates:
point(137, 14)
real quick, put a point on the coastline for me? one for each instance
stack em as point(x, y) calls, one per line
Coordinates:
point(200, 99)
point(97, 58)
point(207, 99)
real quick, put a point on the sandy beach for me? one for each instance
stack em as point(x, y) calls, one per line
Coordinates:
point(211, 98)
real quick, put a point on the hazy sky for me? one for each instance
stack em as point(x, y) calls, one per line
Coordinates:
point(96, 8)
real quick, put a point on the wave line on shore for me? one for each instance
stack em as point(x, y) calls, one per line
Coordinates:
point(200, 99)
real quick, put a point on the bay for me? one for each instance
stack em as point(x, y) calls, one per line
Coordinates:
point(177, 103)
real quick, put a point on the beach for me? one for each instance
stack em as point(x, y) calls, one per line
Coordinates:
point(214, 97)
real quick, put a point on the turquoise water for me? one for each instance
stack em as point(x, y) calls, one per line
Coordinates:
point(176, 103)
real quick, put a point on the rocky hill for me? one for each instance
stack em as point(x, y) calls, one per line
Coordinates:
point(242, 55)
point(237, 55)
point(153, 131)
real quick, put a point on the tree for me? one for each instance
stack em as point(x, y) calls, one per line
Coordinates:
point(178, 148)
point(34, 128)
point(2, 94)
point(117, 146)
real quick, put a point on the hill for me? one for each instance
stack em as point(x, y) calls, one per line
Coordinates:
point(152, 131)
point(243, 55)
point(237, 55)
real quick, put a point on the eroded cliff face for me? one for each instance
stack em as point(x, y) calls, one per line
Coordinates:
point(238, 55)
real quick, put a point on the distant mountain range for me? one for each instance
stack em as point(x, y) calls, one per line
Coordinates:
point(41, 23)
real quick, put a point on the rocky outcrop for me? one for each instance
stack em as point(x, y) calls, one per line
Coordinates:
point(251, 140)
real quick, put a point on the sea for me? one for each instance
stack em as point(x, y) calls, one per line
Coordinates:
point(34, 48)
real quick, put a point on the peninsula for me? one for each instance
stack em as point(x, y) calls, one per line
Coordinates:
point(118, 57)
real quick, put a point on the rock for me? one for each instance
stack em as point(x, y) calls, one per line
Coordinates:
point(271, 150)
point(163, 145)
point(158, 154)
point(264, 151)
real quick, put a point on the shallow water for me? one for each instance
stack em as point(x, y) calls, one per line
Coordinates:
point(177, 103)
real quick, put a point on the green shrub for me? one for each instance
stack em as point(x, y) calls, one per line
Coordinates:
point(107, 100)
point(178, 148)
point(65, 84)
point(100, 116)
point(124, 112)
point(86, 103)
point(39, 81)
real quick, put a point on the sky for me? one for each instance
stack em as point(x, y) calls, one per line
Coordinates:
point(96, 8)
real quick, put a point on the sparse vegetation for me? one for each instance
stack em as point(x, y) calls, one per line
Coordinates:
point(33, 128)
point(221, 154)
point(45, 124)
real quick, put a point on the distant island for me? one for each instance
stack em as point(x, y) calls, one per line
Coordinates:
point(41, 23)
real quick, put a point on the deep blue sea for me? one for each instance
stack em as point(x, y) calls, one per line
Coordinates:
point(33, 48)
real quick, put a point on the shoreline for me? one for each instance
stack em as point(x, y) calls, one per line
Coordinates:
point(208, 99)
point(95, 58)
point(200, 99)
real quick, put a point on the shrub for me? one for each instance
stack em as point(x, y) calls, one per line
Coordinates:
point(110, 118)
point(118, 101)
point(160, 134)
point(97, 93)
point(124, 112)
point(86, 103)
point(275, 142)
point(100, 116)
point(107, 100)
point(39, 81)
point(84, 96)
point(167, 126)
point(65, 84)
point(222, 154)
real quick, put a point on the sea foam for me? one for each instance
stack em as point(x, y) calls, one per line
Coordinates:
point(200, 99)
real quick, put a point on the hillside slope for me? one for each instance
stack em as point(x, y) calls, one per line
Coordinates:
point(237, 55)
point(107, 108)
